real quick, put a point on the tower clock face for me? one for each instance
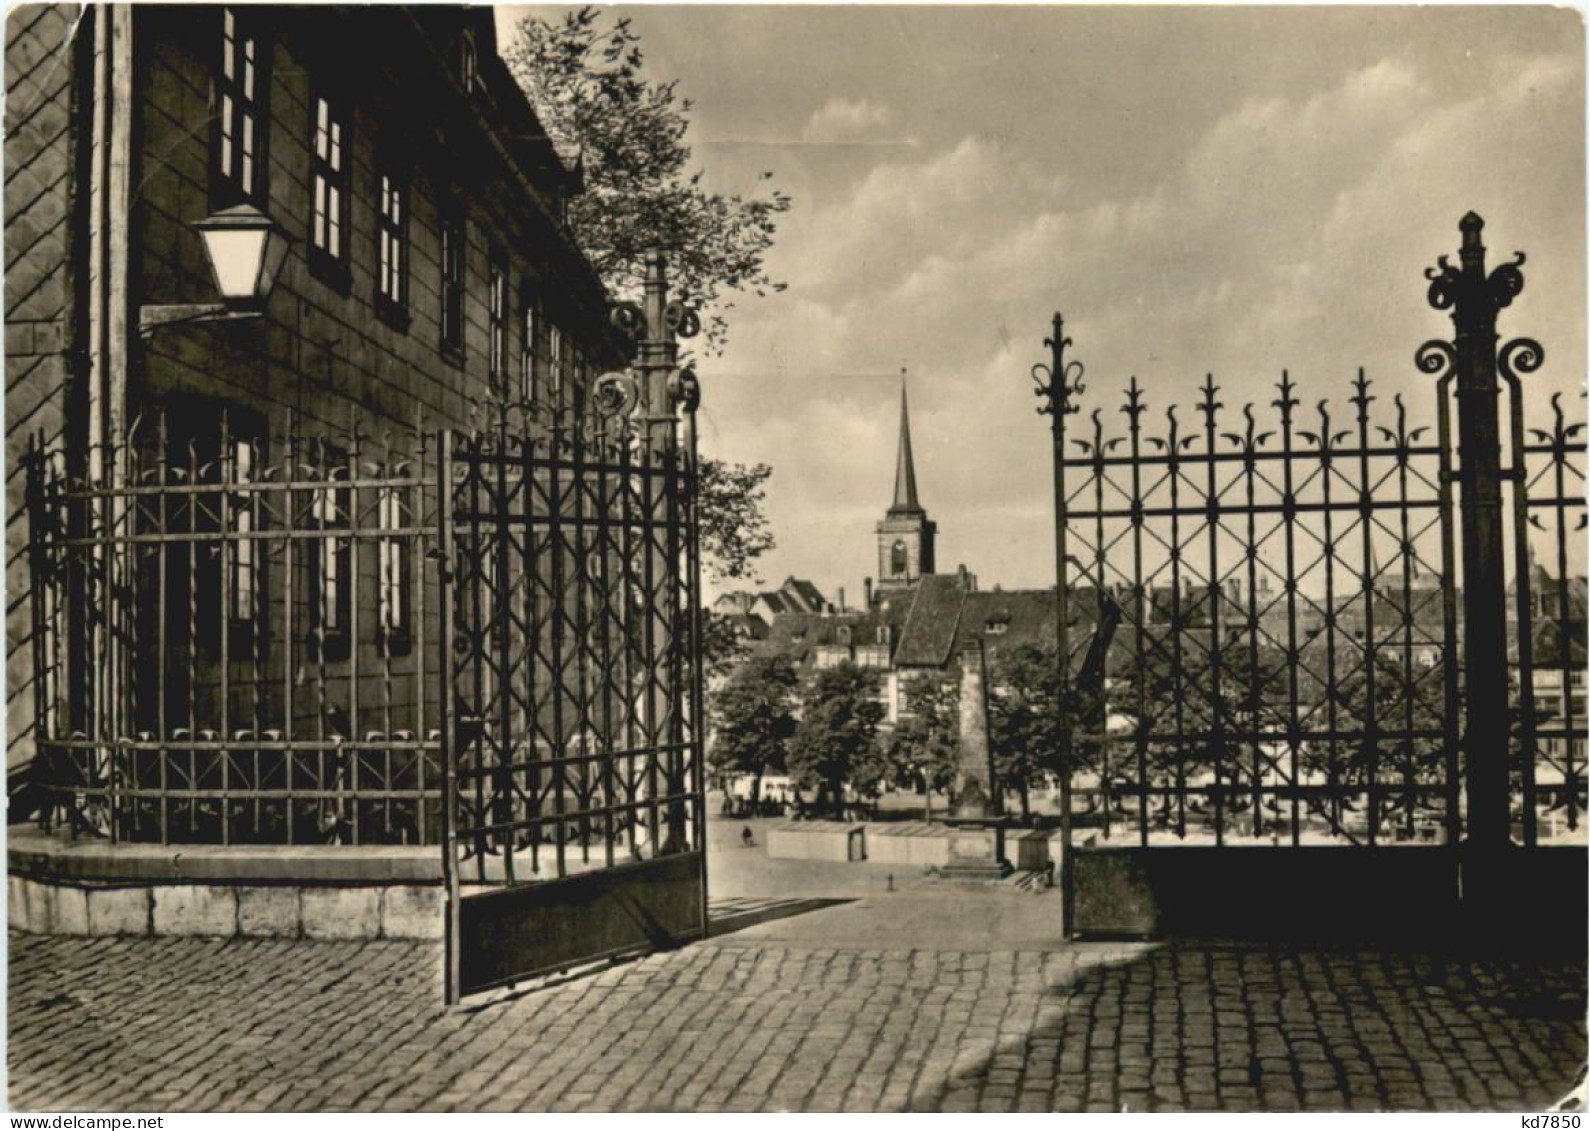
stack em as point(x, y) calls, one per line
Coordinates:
point(897, 558)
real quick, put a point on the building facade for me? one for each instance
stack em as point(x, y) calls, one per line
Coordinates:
point(429, 277)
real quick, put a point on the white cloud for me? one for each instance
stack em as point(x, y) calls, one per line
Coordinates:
point(846, 120)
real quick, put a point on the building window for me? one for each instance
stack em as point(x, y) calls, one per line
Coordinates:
point(578, 379)
point(555, 360)
point(244, 582)
point(497, 323)
point(216, 574)
point(898, 560)
point(527, 351)
point(392, 262)
point(453, 281)
point(328, 167)
point(332, 563)
point(395, 577)
point(241, 117)
point(468, 69)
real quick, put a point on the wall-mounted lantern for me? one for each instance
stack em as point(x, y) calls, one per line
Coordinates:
point(246, 249)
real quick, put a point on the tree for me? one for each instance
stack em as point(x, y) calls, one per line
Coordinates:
point(586, 82)
point(753, 719)
point(836, 740)
point(1023, 720)
point(730, 498)
point(730, 507)
point(1402, 749)
point(924, 747)
point(1170, 691)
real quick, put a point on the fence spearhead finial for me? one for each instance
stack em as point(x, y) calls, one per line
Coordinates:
point(1472, 252)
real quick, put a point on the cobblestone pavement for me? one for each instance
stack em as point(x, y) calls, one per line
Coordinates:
point(175, 1024)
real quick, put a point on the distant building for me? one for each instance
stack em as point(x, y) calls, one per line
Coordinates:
point(794, 595)
point(1557, 657)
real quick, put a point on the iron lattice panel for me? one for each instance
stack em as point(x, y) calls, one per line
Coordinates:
point(574, 657)
point(1548, 652)
point(1285, 664)
point(234, 638)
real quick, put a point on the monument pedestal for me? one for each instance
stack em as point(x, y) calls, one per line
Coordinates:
point(977, 852)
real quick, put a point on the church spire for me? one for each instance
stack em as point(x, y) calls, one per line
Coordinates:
point(905, 536)
point(905, 501)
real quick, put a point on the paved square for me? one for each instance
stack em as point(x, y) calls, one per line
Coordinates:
point(749, 1022)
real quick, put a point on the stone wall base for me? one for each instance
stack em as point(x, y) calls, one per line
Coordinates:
point(270, 911)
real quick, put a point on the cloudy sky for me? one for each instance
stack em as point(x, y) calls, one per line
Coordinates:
point(1234, 191)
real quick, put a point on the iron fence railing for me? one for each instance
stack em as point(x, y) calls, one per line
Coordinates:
point(1313, 643)
point(232, 637)
point(572, 649)
point(1284, 665)
point(239, 638)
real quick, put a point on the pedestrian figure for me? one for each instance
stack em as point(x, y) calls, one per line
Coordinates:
point(891, 881)
point(747, 838)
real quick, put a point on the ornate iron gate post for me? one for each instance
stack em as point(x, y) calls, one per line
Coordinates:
point(1056, 383)
point(661, 323)
point(1474, 299)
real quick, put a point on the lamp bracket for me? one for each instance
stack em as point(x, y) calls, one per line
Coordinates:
point(151, 318)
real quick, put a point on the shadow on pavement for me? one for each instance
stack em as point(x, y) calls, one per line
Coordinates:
point(1202, 1026)
point(726, 916)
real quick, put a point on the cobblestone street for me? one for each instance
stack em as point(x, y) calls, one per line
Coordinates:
point(748, 1023)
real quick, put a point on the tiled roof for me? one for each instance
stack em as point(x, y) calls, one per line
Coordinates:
point(1027, 617)
point(928, 638)
point(739, 602)
point(798, 635)
point(807, 593)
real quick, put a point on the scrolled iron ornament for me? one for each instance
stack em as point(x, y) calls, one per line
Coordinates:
point(1506, 282)
point(1444, 279)
point(1043, 382)
point(1435, 357)
point(1071, 383)
point(629, 318)
point(1521, 355)
point(684, 389)
point(615, 394)
point(682, 319)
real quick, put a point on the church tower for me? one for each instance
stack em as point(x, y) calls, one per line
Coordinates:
point(905, 536)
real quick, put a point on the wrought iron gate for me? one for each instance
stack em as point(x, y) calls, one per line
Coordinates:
point(1301, 660)
point(572, 667)
point(575, 788)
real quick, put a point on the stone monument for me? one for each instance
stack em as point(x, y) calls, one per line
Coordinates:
point(977, 828)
